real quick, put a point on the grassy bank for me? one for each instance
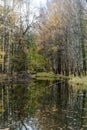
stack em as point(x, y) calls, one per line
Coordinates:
point(82, 81)
point(45, 76)
point(49, 76)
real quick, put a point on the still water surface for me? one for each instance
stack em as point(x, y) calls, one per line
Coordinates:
point(42, 105)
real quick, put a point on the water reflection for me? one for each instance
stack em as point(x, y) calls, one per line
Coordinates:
point(42, 105)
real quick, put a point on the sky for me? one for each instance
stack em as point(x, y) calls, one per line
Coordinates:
point(38, 2)
point(35, 2)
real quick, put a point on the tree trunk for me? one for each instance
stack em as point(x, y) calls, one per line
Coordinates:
point(8, 67)
point(3, 49)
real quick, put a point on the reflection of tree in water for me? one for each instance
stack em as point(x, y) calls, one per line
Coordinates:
point(53, 101)
point(18, 105)
point(42, 105)
point(15, 103)
point(62, 107)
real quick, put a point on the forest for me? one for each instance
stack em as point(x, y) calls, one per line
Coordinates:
point(52, 38)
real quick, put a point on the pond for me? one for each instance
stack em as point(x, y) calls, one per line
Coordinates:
point(42, 105)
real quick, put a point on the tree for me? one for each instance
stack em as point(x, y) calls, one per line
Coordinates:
point(60, 28)
point(14, 30)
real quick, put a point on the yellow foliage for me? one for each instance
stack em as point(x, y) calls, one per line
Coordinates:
point(2, 53)
point(52, 24)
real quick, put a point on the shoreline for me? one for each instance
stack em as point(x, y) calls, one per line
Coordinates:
point(24, 76)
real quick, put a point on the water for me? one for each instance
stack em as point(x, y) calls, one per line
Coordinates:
point(42, 105)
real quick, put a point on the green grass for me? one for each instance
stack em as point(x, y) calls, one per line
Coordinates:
point(79, 82)
point(45, 76)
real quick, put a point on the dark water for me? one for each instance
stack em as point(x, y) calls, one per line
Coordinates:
point(42, 105)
